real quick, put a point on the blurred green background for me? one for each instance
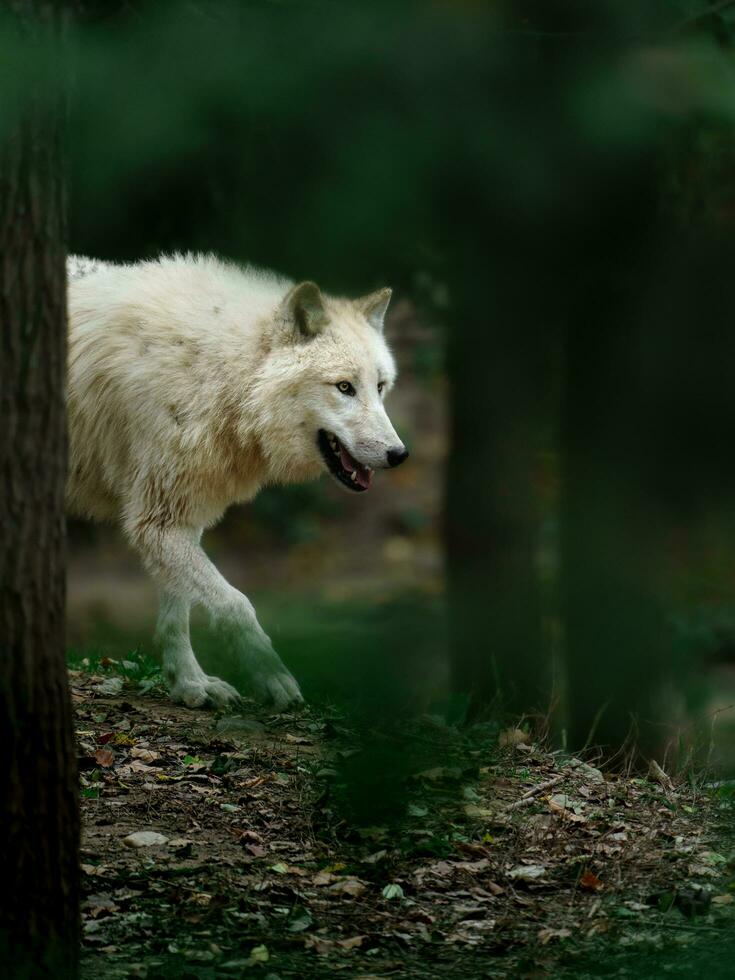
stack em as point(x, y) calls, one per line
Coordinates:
point(549, 187)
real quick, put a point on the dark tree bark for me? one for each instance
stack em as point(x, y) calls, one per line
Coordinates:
point(613, 526)
point(38, 803)
point(498, 655)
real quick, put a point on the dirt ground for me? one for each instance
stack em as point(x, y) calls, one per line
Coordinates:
point(301, 845)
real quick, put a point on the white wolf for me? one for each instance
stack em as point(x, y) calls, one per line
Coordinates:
point(192, 384)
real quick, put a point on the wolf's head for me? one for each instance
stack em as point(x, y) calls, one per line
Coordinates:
point(323, 386)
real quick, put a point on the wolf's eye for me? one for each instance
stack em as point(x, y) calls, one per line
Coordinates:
point(346, 388)
point(381, 385)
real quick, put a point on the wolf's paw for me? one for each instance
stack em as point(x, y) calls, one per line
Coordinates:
point(280, 689)
point(204, 692)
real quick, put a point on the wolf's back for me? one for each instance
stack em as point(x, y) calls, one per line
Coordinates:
point(78, 266)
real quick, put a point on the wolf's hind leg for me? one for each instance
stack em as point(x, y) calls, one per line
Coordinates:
point(187, 682)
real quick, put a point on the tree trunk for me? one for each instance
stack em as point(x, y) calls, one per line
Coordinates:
point(612, 534)
point(498, 656)
point(39, 826)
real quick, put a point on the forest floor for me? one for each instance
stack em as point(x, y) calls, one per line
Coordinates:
point(302, 845)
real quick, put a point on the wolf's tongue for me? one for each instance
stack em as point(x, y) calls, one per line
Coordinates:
point(364, 475)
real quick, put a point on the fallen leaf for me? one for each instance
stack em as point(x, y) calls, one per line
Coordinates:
point(258, 954)
point(99, 905)
point(590, 882)
point(299, 920)
point(112, 685)
point(474, 867)
point(137, 766)
point(511, 737)
point(200, 898)
point(392, 892)
point(323, 878)
point(199, 955)
point(722, 899)
point(93, 870)
point(475, 812)
point(349, 886)
point(145, 755)
point(287, 869)
point(527, 872)
point(561, 804)
point(144, 838)
point(104, 758)
point(416, 810)
point(589, 772)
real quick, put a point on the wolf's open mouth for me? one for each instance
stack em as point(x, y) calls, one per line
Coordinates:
point(341, 465)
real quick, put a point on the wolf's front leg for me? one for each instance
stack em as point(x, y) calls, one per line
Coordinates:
point(176, 560)
point(187, 682)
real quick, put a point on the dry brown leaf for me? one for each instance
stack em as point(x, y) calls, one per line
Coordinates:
point(242, 835)
point(319, 945)
point(138, 766)
point(94, 871)
point(474, 867)
point(200, 898)
point(512, 737)
point(104, 758)
point(323, 878)
point(590, 882)
point(352, 887)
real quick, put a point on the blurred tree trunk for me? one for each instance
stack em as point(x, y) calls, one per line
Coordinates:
point(38, 805)
point(491, 514)
point(612, 528)
point(616, 478)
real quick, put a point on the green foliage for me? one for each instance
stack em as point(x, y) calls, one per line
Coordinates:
point(137, 667)
point(292, 513)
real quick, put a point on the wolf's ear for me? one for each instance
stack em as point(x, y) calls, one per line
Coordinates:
point(373, 307)
point(304, 308)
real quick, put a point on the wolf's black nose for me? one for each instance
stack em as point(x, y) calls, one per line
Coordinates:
point(397, 456)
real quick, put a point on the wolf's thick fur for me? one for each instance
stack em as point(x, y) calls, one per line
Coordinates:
point(192, 384)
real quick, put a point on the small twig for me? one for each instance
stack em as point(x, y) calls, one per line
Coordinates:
point(534, 791)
